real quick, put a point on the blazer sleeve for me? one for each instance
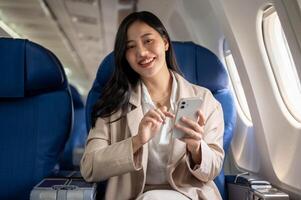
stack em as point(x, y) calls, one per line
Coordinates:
point(102, 160)
point(211, 145)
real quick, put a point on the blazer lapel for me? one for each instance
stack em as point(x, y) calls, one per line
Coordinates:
point(185, 89)
point(136, 113)
point(178, 148)
point(133, 119)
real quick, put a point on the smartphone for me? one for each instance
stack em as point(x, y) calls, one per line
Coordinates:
point(187, 107)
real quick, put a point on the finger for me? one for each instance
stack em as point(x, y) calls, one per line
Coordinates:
point(155, 115)
point(151, 120)
point(157, 110)
point(192, 124)
point(189, 132)
point(201, 120)
point(169, 114)
point(163, 109)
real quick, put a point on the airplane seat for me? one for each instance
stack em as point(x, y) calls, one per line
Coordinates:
point(202, 67)
point(35, 115)
point(76, 142)
point(198, 65)
point(103, 75)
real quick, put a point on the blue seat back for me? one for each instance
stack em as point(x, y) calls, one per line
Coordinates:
point(78, 134)
point(202, 67)
point(35, 115)
point(199, 66)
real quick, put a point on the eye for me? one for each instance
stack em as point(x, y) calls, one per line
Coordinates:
point(130, 46)
point(147, 41)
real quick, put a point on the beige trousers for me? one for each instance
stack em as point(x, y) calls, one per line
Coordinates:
point(162, 194)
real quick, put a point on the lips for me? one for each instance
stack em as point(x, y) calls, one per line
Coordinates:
point(146, 62)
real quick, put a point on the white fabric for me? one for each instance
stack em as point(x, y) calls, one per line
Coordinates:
point(162, 194)
point(158, 146)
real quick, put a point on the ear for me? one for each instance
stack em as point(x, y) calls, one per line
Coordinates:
point(166, 45)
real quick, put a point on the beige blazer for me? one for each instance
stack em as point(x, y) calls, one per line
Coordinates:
point(109, 154)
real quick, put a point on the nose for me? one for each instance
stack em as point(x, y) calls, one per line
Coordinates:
point(141, 50)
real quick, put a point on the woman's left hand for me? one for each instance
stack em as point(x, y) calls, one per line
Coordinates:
point(193, 135)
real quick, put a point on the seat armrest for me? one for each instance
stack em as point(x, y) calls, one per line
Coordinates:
point(64, 185)
point(246, 186)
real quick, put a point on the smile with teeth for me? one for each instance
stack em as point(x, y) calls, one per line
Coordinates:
point(146, 61)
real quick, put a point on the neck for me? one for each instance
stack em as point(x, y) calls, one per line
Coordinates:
point(159, 86)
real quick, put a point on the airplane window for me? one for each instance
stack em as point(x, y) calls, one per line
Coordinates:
point(282, 63)
point(236, 85)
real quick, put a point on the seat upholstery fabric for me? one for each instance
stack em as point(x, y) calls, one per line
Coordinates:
point(199, 66)
point(77, 139)
point(35, 115)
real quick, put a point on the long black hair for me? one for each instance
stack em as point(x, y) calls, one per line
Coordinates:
point(116, 93)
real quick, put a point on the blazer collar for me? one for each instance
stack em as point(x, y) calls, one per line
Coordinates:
point(184, 90)
point(135, 113)
point(135, 98)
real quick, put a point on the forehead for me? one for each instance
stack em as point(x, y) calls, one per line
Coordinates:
point(139, 29)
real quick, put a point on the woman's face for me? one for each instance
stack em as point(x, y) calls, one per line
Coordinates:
point(145, 49)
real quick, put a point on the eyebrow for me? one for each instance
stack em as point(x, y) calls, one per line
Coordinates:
point(144, 35)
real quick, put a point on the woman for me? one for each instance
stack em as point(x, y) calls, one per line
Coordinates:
point(131, 142)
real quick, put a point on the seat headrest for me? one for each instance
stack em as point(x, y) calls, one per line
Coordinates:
point(200, 66)
point(28, 69)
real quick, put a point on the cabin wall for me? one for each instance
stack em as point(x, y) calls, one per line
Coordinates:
point(275, 133)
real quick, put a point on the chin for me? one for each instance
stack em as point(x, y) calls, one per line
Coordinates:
point(150, 73)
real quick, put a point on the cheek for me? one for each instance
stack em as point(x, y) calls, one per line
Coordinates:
point(160, 49)
point(129, 57)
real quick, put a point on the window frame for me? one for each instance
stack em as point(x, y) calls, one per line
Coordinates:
point(240, 97)
point(269, 23)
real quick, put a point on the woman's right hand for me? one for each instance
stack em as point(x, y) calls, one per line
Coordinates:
point(150, 125)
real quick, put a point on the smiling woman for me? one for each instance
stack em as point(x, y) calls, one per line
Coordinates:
point(125, 143)
point(120, 58)
point(125, 76)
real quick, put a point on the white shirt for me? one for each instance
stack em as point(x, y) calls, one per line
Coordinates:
point(159, 145)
